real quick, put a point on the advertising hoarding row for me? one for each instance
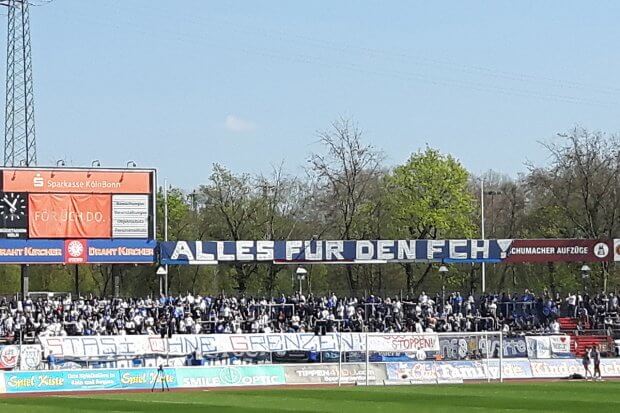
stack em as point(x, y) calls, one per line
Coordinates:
point(139, 378)
point(77, 203)
point(385, 251)
point(45, 381)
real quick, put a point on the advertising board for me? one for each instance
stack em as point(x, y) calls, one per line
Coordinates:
point(58, 251)
point(617, 250)
point(139, 378)
point(130, 216)
point(69, 216)
point(76, 206)
point(561, 368)
point(84, 380)
point(564, 250)
point(262, 375)
point(425, 371)
point(328, 373)
point(82, 181)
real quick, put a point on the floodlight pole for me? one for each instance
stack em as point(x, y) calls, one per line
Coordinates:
point(165, 289)
point(484, 274)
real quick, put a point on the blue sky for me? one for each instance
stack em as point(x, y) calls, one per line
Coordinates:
point(179, 85)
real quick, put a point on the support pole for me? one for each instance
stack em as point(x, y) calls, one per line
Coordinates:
point(77, 281)
point(25, 281)
point(484, 275)
point(166, 232)
point(501, 356)
point(367, 359)
point(486, 339)
point(339, 358)
point(117, 281)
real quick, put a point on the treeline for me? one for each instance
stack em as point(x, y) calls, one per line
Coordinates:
point(348, 192)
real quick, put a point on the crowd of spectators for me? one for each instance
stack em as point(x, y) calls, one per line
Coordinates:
point(196, 314)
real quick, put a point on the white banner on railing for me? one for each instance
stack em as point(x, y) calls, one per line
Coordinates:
point(403, 342)
point(26, 357)
point(178, 345)
point(544, 347)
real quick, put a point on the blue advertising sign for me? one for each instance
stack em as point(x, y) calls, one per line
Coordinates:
point(334, 251)
point(140, 378)
point(458, 370)
point(19, 251)
point(131, 251)
point(258, 375)
point(60, 251)
point(84, 380)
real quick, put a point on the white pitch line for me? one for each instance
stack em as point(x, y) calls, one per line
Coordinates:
point(69, 396)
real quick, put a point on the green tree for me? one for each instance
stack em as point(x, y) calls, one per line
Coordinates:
point(429, 197)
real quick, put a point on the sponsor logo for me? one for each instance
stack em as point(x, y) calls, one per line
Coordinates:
point(35, 381)
point(75, 251)
point(230, 376)
point(134, 379)
point(601, 250)
point(38, 181)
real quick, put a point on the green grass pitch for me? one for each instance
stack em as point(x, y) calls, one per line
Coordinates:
point(579, 397)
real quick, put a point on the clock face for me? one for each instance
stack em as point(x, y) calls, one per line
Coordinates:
point(13, 214)
point(13, 206)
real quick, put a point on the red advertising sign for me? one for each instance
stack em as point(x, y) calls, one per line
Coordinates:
point(69, 216)
point(76, 181)
point(559, 250)
point(75, 251)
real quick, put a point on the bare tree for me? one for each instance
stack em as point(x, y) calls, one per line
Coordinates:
point(280, 205)
point(342, 176)
point(230, 202)
point(582, 185)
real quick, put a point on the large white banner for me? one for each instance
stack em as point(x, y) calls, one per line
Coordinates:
point(179, 345)
point(545, 347)
point(403, 342)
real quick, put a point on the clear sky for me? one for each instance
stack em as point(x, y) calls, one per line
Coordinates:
point(179, 85)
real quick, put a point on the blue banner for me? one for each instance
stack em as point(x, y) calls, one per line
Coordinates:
point(60, 251)
point(335, 251)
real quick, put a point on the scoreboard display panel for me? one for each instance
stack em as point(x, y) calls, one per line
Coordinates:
point(109, 212)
